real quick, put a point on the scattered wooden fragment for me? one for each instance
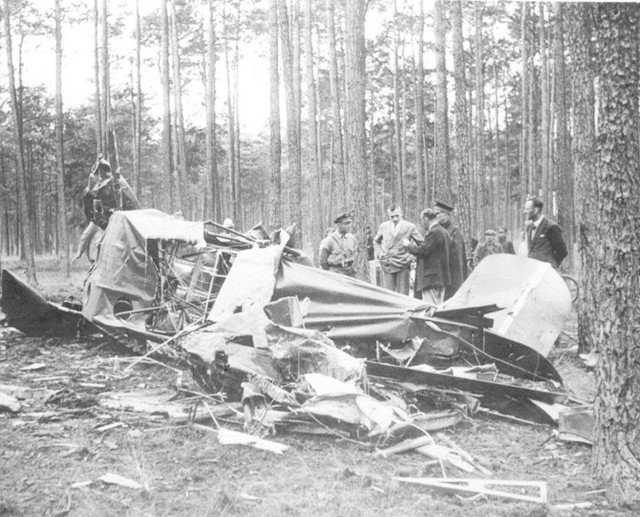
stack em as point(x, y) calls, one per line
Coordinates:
point(116, 479)
point(439, 452)
point(33, 367)
point(228, 437)
point(9, 403)
point(406, 445)
point(573, 506)
point(482, 486)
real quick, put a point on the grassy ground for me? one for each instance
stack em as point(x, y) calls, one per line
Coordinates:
point(47, 448)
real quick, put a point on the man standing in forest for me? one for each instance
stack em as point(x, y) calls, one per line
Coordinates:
point(507, 246)
point(433, 275)
point(338, 250)
point(488, 247)
point(394, 259)
point(544, 236)
point(458, 255)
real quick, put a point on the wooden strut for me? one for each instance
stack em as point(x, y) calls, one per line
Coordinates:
point(481, 486)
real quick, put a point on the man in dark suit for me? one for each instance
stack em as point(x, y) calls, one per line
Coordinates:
point(458, 252)
point(544, 236)
point(433, 275)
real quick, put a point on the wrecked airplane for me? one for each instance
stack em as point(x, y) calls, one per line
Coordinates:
point(254, 318)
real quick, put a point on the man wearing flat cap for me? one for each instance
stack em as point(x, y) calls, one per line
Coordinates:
point(488, 247)
point(458, 254)
point(432, 269)
point(394, 259)
point(338, 249)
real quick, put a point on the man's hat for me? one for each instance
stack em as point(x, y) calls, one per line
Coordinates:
point(342, 218)
point(443, 207)
point(490, 232)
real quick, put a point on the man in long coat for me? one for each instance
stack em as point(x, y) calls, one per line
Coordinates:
point(458, 254)
point(393, 257)
point(432, 271)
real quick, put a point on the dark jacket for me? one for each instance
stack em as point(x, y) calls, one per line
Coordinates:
point(457, 261)
point(547, 244)
point(432, 268)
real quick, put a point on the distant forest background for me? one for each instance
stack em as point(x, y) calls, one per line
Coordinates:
point(465, 102)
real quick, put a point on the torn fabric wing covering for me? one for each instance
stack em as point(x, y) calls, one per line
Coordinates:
point(534, 297)
point(124, 269)
point(346, 308)
point(250, 281)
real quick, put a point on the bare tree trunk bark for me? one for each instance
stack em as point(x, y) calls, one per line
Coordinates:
point(62, 205)
point(166, 103)
point(617, 411)
point(564, 176)
point(419, 87)
point(96, 73)
point(338, 163)
point(524, 97)
point(313, 130)
point(461, 127)
point(211, 136)
point(397, 113)
point(355, 72)
point(275, 144)
point(481, 185)
point(24, 214)
point(443, 184)
point(137, 154)
point(583, 149)
point(181, 169)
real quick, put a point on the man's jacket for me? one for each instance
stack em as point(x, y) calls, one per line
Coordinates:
point(547, 243)
point(393, 257)
point(432, 269)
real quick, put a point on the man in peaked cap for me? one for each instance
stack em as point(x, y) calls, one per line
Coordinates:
point(458, 253)
point(489, 246)
point(338, 250)
point(432, 270)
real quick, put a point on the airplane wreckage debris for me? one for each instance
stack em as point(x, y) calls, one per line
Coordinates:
point(309, 351)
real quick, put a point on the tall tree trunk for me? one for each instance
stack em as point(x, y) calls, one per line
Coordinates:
point(564, 189)
point(397, 112)
point(232, 206)
point(338, 161)
point(583, 150)
point(96, 74)
point(297, 209)
point(137, 147)
point(355, 73)
point(24, 214)
point(545, 184)
point(211, 135)
point(312, 130)
point(181, 148)
point(62, 205)
point(275, 144)
point(166, 103)
point(524, 97)
point(419, 108)
point(443, 185)
point(293, 136)
point(106, 89)
point(617, 407)
point(481, 184)
point(236, 121)
point(461, 128)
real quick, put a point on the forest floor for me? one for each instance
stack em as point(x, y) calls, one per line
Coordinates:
point(53, 454)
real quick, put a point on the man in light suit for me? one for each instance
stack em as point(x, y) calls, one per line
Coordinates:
point(544, 236)
point(394, 259)
point(433, 275)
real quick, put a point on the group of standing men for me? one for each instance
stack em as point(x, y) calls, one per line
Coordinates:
point(440, 252)
point(441, 265)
